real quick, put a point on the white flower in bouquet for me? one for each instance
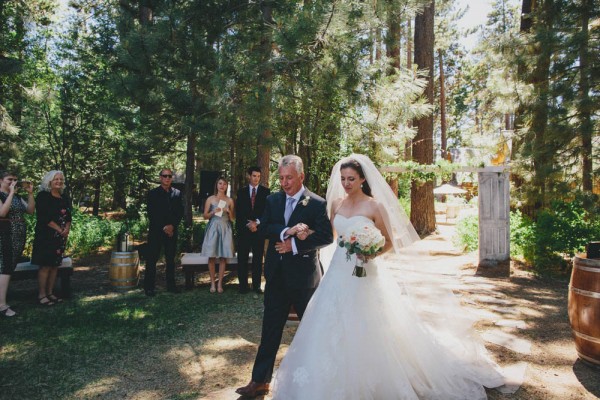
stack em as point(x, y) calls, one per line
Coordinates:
point(366, 240)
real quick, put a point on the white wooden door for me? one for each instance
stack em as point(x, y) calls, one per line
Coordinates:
point(494, 217)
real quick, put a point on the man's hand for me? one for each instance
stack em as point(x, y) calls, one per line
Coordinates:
point(284, 247)
point(252, 226)
point(294, 230)
point(169, 230)
point(304, 234)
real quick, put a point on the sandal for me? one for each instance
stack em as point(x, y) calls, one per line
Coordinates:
point(212, 289)
point(54, 298)
point(220, 290)
point(46, 303)
point(7, 311)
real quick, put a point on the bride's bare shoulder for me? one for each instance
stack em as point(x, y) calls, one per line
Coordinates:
point(371, 202)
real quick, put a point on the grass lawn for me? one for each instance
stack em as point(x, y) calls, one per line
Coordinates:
point(102, 344)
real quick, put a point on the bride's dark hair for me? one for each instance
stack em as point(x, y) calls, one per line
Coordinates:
point(355, 165)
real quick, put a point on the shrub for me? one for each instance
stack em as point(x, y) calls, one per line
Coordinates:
point(89, 233)
point(558, 233)
point(467, 233)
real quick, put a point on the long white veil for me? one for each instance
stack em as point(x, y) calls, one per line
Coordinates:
point(428, 289)
point(396, 221)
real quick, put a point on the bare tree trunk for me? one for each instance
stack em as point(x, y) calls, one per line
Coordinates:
point(266, 77)
point(96, 202)
point(393, 54)
point(539, 118)
point(526, 24)
point(585, 103)
point(422, 213)
point(378, 44)
point(190, 159)
point(443, 129)
point(408, 143)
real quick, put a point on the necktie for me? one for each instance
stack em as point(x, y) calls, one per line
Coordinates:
point(289, 207)
point(253, 197)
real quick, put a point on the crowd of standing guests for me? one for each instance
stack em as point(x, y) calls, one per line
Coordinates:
point(165, 211)
point(53, 223)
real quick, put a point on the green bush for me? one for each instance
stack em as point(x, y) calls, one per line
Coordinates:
point(197, 235)
point(559, 232)
point(522, 230)
point(467, 233)
point(89, 233)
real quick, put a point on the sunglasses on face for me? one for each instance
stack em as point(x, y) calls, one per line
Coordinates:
point(166, 176)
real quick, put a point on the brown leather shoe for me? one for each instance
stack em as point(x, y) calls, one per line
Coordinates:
point(253, 389)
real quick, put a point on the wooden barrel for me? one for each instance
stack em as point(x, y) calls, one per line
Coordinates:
point(584, 307)
point(123, 272)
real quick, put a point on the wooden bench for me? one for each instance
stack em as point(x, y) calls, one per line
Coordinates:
point(196, 262)
point(27, 270)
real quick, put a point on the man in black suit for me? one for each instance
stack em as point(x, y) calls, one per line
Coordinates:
point(296, 223)
point(249, 206)
point(165, 211)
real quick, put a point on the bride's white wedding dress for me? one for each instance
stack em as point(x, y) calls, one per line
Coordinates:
point(363, 338)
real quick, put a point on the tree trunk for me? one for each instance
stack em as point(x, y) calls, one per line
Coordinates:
point(443, 129)
point(146, 12)
point(190, 161)
point(119, 200)
point(539, 118)
point(525, 28)
point(96, 202)
point(265, 77)
point(422, 213)
point(585, 103)
point(408, 143)
point(393, 54)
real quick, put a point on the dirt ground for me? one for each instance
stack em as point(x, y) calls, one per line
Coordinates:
point(554, 370)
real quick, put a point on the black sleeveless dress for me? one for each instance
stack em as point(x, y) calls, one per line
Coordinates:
point(48, 245)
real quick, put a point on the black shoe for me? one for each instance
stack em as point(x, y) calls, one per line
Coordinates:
point(173, 289)
point(149, 293)
point(243, 290)
point(258, 291)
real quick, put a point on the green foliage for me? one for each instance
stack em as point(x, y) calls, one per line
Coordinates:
point(467, 233)
point(196, 232)
point(559, 232)
point(546, 244)
point(89, 233)
point(521, 233)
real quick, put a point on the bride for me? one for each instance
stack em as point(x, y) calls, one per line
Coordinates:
point(366, 337)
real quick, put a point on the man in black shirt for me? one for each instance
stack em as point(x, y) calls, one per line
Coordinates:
point(165, 211)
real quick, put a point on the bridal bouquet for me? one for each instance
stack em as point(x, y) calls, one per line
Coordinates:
point(366, 240)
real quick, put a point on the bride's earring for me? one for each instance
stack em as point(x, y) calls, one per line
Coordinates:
point(361, 186)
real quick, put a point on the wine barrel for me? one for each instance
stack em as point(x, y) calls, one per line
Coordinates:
point(584, 307)
point(123, 272)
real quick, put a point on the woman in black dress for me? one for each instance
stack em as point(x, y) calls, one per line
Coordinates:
point(12, 231)
point(53, 214)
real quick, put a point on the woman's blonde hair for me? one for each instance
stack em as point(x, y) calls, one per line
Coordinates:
point(45, 184)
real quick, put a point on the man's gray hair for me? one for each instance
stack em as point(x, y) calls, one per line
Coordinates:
point(47, 179)
point(294, 160)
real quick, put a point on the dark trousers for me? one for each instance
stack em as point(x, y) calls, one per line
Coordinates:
point(157, 240)
point(256, 243)
point(278, 299)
